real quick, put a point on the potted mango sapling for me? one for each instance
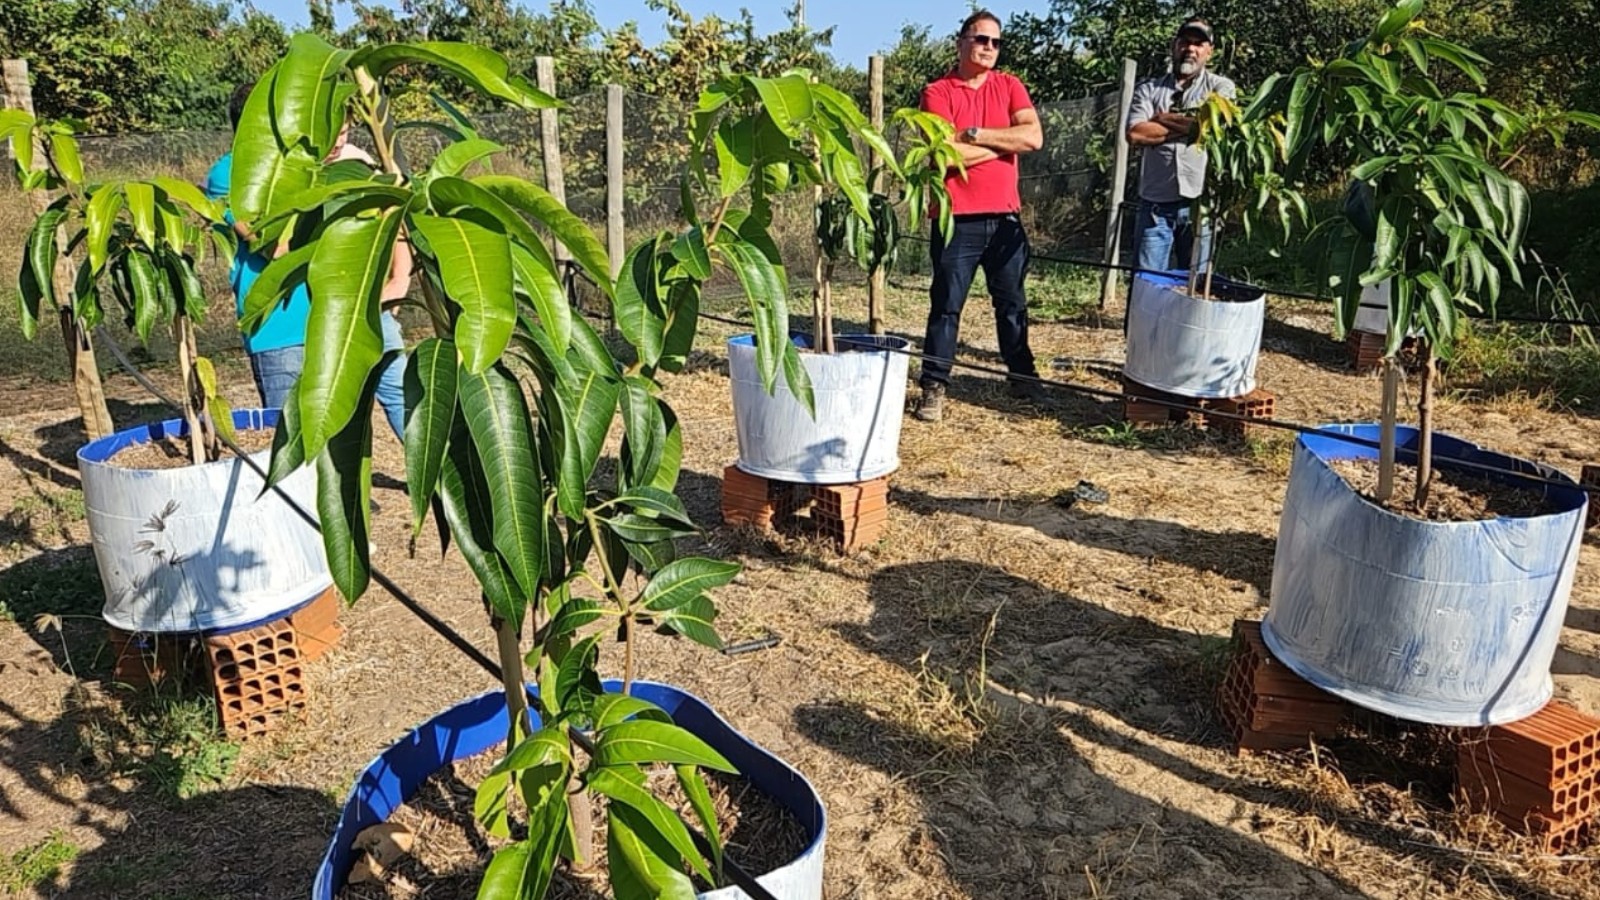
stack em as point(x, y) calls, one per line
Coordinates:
point(184, 540)
point(1444, 605)
point(508, 406)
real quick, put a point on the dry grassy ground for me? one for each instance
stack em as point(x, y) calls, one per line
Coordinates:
point(1003, 698)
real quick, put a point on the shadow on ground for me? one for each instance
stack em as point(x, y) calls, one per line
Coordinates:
point(1035, 712)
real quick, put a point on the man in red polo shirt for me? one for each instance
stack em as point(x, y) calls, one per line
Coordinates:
point(995, 121)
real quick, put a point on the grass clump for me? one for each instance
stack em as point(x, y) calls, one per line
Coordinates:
point(40, 863)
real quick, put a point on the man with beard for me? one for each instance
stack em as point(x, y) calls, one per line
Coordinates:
point(1172, 173)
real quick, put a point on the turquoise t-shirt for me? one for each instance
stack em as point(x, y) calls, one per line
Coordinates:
point(285, 326)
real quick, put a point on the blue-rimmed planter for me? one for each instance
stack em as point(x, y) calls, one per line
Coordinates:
point(1451, 623)
point(198, 548)
point(860, 395)
point(476, 725)
point(1189, 346)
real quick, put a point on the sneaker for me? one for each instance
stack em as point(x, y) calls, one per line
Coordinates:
point(931, 407)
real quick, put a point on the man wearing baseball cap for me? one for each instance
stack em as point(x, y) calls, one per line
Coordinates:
point(1172, 173)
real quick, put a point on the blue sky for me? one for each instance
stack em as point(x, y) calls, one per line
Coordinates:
point(862, 28)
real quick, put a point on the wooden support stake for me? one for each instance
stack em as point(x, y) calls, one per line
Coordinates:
point(616, 234)
point(1119, 184)
point(876, 285)
point(550, 142)
point(79, 345)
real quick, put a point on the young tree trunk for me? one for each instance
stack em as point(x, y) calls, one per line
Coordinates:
point(1391, 402)
point(828, 345)
point(1211, 257)
point(1197, 221)
point(1425, 426)
point(186, 375)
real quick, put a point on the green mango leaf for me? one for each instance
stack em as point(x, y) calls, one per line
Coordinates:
point(453, 196)
point(497, 417)
point(430, 386)
point(100, 216)
point(570, 230)
point(637, 306)
point(689, 249)
point(638, 859)
point(276, 282)
point(765, 287)
point(141, 199)
point(37, 278)
point(148, 304)
point(644, 432)
point(466, 505)
point(735, 145)
point(693, 620)
point(572, 616)
point(288, 453)
point(610, 709)
point(644, 741)
point(787, 100)
point(798, 379)
point(685, 580)
point(655, 503)
point(344, 501)
point(544, 291)
point(671, 450)
point(475, 266)
point(482, 69)
point(64, 153)
point(490, 805)
point(660, 817)
point(694, 787)
point(642, 529)
point(303, 92)
point(344, 340)
point(587, 405)
point(265, 173)
point(574, 685)
point(221, 413)
point(190, 195)
point(455, 158)
point(683, 322)
point(546, 747)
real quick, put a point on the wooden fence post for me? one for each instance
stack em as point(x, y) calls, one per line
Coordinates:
point(875, 287)
point(550, 142)
point(79, 345)
point(616, 234)
point(1119, 185)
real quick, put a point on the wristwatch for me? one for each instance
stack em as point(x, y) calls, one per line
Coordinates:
point(971, 133)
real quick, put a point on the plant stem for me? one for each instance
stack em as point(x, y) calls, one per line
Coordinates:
point(1391, 399)
point(191, 417)
point(627, 653)
point(376, 117)
point(1425, 426)
point(1211, 255)
point(508, 643)
point(716, 221)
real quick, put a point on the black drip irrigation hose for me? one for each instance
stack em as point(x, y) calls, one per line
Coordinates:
point(1053, 384)
point(1292, 295)
point(740, 877)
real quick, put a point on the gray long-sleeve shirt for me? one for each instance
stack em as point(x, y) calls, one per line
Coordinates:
point(1174, 171)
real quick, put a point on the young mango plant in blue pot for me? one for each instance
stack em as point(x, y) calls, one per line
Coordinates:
point(1394, 603)
point(184, 547)
point(508, 405)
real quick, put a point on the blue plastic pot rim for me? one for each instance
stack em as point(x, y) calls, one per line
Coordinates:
point(323, 885)
point(98, 451)
point(1569, 498)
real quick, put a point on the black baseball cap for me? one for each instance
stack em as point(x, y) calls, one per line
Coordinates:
point(1194, 26)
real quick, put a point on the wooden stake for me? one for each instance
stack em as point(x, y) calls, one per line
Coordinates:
point(877, 283)
point(1119, 184)
point(86, 384)
point(1425, 425)
point(1391, 400)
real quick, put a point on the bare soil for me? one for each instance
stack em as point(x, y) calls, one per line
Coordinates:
point(1001, 699)
point(1452, 496)
point(173, 453)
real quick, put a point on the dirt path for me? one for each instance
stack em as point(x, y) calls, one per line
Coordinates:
point(1003, 698)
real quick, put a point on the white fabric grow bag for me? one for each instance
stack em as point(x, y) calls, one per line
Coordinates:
point(199, 547)
point(1450, 623)
point(1190, 347)
point(860, 397)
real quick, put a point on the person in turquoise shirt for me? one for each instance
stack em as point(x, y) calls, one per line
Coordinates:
point(276, 347)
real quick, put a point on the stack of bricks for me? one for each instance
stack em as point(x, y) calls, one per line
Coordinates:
point(1366, 350)
point(316, 625)
point(141, 659)
point(1591, 480)
point(257, 676)
point(1265, 705)
point(755, 501)
point(851, 515)
point(1539, 775)
point(1145, 405)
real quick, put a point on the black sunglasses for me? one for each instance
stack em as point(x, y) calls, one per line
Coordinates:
point(983, 40)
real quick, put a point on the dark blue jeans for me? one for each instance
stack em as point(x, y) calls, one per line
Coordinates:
point(1165, 229)
point(1000, 246)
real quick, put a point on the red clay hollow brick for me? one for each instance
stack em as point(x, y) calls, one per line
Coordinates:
point(1488, 788)
point(753, 500)
point(1553, 746)
point(322, 611)
point(142, 659)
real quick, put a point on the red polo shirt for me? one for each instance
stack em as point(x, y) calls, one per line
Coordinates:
point(989, 187)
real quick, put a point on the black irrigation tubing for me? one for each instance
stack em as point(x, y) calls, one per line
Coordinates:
point(1293, 295)
point(1050, 383)
point(740, 877)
